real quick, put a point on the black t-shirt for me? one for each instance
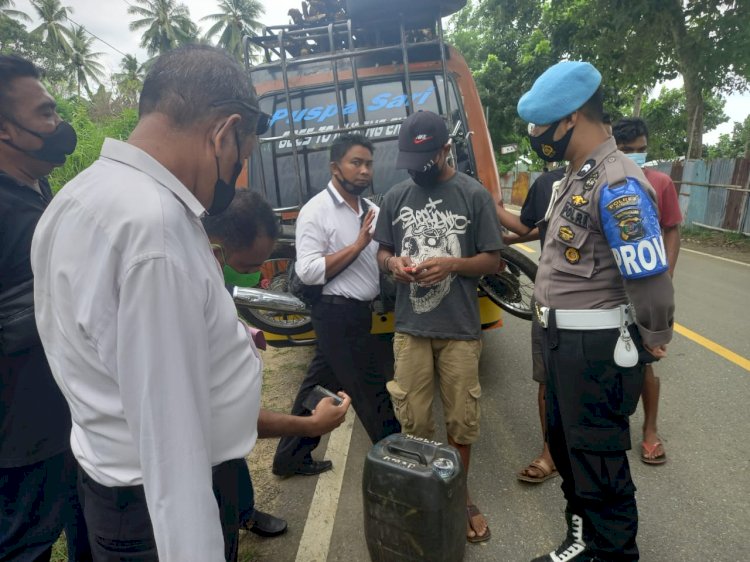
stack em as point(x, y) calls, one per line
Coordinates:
point(455, 218)
point(34, 417)
point(537, 201)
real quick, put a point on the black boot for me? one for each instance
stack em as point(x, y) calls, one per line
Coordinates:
point(573, 548)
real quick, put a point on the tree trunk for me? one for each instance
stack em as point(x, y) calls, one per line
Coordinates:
point(694, 106)
point(637, 102)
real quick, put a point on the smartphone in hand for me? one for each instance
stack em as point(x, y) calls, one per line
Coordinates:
point(317, 394)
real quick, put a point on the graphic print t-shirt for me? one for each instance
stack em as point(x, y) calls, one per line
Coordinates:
point(455, 218)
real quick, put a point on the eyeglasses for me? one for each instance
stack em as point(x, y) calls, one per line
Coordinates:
point(264, 120)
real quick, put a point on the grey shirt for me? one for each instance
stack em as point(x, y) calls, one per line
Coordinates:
point(577, 269)
point(455, 218)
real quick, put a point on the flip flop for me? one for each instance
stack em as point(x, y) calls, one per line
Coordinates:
point(647, 450)
point(473, 511)
point(540, 465)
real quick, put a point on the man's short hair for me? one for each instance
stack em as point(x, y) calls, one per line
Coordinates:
point(628, 129)
point(12, 67)
point(345, 142)
point(593, 109)
point(196, 82)
point(247, 217)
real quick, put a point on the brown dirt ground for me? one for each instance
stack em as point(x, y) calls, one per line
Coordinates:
point(718, 244)
point(282, 374)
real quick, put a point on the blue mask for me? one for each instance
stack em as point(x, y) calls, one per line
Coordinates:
point(638, 157)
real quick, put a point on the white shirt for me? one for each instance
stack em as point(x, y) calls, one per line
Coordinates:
point(162, 380)
point(325, 225)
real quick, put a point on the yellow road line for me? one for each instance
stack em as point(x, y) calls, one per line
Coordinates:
point(525, 248)
point(713, 346)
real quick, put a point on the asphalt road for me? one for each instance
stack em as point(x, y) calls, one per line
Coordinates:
point(695, 508)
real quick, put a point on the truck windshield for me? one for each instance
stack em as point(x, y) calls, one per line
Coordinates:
point(314, 112)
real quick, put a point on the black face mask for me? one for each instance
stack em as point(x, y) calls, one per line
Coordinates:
point(224, 191)
point(352, 188)
point(548, 149)
point(56, 146)
point(428, 177)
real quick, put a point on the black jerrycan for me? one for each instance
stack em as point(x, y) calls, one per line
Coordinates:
point(414, 501)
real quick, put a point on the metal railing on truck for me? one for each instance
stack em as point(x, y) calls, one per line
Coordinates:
point(281, 40)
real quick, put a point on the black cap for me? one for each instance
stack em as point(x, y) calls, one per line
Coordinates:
point(422, 135)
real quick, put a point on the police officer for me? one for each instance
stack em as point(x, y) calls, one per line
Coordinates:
point(605, 301)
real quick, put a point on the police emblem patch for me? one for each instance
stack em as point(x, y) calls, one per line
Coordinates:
point(591, 181)
point(566, 233)
point(576, 216)
point(587, 167)
point(572, 256)
point(548, 150)
point(579, 200)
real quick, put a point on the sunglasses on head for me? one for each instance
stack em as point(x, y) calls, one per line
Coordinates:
point(264, 120)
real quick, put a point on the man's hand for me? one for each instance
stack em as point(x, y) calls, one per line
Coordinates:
point(365, 236)
point(326, 416)
point(660, 351)
point(510, 238)
point(433, 270)
point(402, 268)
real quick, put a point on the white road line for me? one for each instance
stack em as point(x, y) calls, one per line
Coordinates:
point(316, 537)
point(715, 257)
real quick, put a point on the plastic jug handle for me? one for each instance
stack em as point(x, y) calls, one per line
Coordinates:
point(416, 454)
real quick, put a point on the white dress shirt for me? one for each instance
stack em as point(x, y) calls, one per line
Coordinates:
point(327, 224)
point(162, 380)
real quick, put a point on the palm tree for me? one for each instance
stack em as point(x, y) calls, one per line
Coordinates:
point(237, 18)
point(167, 24)
point(130, 79)
point(54, 16)
point(83, 62)
point(7, 11)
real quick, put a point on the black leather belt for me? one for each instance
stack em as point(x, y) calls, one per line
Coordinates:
point(336, 299)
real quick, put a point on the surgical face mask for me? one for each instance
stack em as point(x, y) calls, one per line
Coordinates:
point(427, 177)
point(350, 187)
point(224, 191)
point(56, 146)
point(234, 277)
point(548, 149)
point(638, 157)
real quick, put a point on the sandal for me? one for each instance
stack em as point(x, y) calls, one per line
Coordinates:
point(473, 511)
point(647, 453)
point(538, 466)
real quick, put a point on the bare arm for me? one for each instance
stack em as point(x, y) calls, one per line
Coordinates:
point(532, 235)
point(512, 222)
point(672, 244)
point(325, 418)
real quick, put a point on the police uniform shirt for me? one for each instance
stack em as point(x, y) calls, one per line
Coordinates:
point(578, 268)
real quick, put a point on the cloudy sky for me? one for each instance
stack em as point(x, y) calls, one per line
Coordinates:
point(108, 19)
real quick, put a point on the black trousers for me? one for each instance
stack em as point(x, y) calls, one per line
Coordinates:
point(589, 401)
point(347, 358)
point(37, 502)
point(119, 525)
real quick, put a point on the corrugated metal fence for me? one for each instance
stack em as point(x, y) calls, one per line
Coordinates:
point(713, 194)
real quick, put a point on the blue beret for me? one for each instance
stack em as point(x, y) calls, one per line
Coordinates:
point(558, 92)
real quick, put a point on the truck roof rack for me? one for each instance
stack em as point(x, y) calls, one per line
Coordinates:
point(295, 45)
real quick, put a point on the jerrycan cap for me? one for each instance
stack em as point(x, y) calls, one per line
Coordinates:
point(443, 468)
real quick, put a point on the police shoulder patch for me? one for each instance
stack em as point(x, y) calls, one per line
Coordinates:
point(631, 225)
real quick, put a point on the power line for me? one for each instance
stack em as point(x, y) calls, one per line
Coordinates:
point(95, 36)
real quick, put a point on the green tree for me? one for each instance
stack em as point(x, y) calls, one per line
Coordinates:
point(7, 11)
point(640, 42)
point(129, 80)
point(667, 118)
point(166, 24)
point(83, 62)
point(236, 19)
point(734, 145)
point(53, 29)
point(14, 39)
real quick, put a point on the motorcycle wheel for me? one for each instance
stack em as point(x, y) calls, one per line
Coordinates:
point(275, 278)
point(513, 288)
